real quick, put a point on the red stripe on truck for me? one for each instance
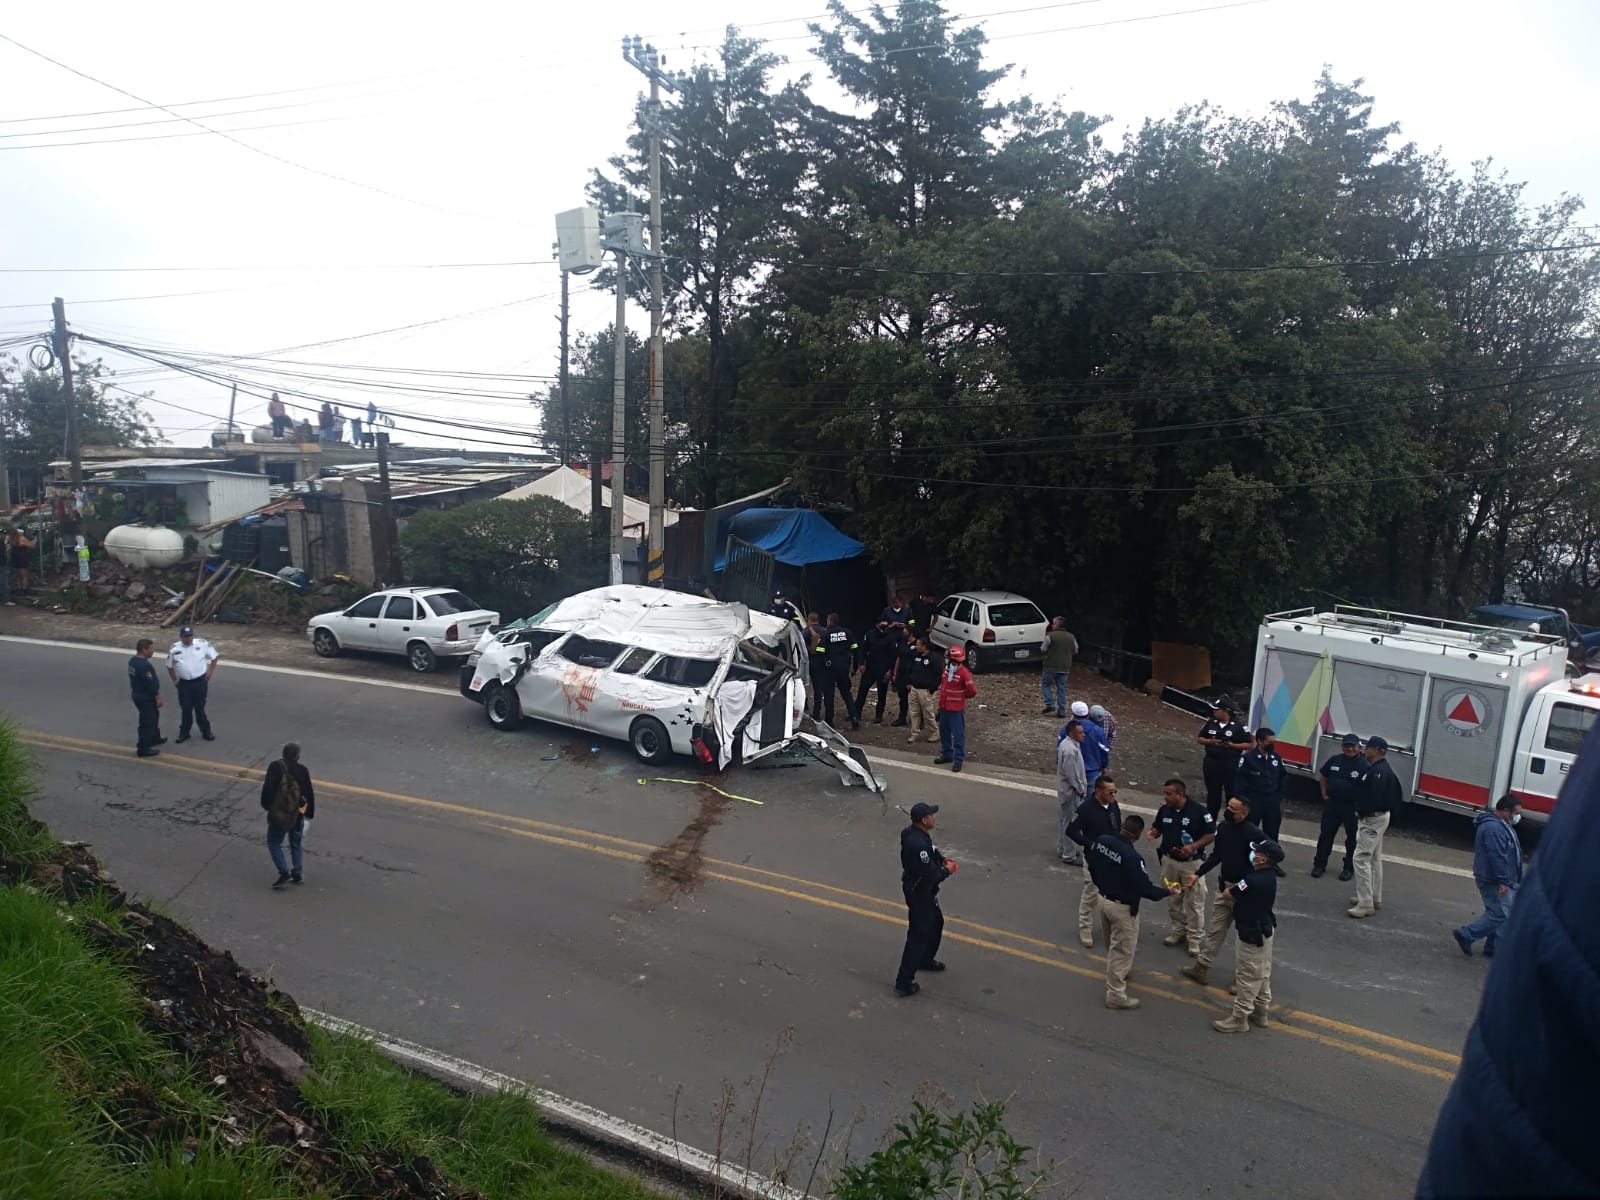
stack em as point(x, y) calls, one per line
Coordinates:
point(1452, 789)
point(1289, 752)
point(1534, 802)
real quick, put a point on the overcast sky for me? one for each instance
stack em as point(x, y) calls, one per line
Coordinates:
point(481, 121)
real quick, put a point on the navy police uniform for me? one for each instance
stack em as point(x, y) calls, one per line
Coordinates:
point(922, 870)
point(1260, 779)
point(1343, 778)
point(1221, 761)
point(838, 649)
point(145, 685)
point(880, 649)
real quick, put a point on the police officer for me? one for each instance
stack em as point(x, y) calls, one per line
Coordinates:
point(1342, 778)
point(1120, 878)
point(1260, 779)
point(145, 685)
point(1381, 793)
point(1185, 829)
point(819, 663)
point(922, 870)
point(923, 610)
point(922, 686)
point(840, 651)
point(898, 613)
point(904, 660)
point(1252, 899)
point(1097, 816)
point(1225, 740)
point(191, 663)
point(783, 609)
point(1231, 853)
point(879, 650)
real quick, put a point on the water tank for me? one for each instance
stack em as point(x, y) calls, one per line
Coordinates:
point(145, 546)
point(261, 433)
point(225, 433)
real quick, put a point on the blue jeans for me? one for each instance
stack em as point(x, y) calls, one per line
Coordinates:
point(953, 736)
point(1496, 908)
point(275, 846)
point(1089, 777)
point(1057, 679)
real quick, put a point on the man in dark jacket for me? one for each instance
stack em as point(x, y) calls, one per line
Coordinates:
point(1252, 899)
point(840, 652)
point(1497, 870)
point(923, 610)
point(145, 686)
point(1225, 740)
point(1519, 1120)
point(1097, 816)
point(905, 658)
point(922, 870)
point(923, 672)
point(1232, 854)
point(1261, 779)
point(879, 649)
point(1342, 778)
point(1120, 878)
point(1381, 794)
point(290, 767)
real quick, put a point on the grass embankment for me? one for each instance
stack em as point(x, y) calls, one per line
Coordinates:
point(110, 1087)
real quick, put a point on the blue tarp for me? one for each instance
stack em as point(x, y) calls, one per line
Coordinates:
point(795, 537)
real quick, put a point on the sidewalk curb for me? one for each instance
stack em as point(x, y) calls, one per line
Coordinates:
point(575, 1122)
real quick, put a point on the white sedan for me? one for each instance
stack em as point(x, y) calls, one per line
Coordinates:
point(424, 624)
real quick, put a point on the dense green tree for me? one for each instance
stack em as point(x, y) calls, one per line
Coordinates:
point(33, 419)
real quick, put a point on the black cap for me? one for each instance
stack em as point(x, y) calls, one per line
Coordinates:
point(1268, 847)
point(1377, 743)
point(1225, 703)
point(920, 810)
point(186, 631)
point(1351, 739)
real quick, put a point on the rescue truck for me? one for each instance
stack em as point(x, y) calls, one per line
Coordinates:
point(1470, 712)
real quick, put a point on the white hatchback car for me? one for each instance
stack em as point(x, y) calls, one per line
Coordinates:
point(424, 624)
point(994, 627)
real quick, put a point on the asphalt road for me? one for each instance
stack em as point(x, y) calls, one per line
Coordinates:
point(721, 970)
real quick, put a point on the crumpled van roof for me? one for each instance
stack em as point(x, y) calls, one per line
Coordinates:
point(665, 621)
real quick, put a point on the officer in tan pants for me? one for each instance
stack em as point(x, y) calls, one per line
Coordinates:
point(1185, 829)
point(1119, 876)
point(1096, 816)
point(1252, 899)
point(922, 692)
point(1232, 852)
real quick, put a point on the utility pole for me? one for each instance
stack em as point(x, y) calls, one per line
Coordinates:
point(648, 60)
point(233, 400)
point(391, 536)
point(566, 406)
point(64, 355)
point(619, 415)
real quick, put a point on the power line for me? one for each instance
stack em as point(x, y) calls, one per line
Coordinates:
point(289, 162)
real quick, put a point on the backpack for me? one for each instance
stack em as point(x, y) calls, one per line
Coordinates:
point(283, 812)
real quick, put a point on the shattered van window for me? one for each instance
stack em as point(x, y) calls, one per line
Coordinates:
point(590, 652)
point(684, 672)
point(633, 661)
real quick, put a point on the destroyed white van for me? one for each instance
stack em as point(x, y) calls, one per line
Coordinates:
point(667, 672)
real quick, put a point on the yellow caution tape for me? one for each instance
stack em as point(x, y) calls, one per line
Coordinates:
point(702, 783)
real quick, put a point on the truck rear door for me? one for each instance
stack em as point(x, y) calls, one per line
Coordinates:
point(1461, 737)
point(1552, 735)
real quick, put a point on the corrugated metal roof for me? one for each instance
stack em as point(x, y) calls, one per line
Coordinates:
point(145, 464)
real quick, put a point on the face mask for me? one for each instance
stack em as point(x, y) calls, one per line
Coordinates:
point(1516, 818)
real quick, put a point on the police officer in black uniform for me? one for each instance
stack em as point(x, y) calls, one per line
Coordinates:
point(145, 685)
point(784, 609)
point(819, 663)
point(1261, 779)
point(905, 657)
point(1343, 777)
point(1119, 876)
point(923, 610)
point(879, 650)
point(1225, 740)
point(840, 650)
point(922, 870)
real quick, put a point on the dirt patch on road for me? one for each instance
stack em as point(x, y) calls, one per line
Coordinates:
point(1006, 727)
point(675, 867)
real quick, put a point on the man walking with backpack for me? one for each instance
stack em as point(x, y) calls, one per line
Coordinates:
point(290, 805)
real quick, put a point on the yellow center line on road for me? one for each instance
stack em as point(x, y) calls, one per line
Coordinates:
point(623, 849)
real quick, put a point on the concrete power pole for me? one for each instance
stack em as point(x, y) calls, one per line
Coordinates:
point(619, 416)
point(64, 356)
point(647, 60)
